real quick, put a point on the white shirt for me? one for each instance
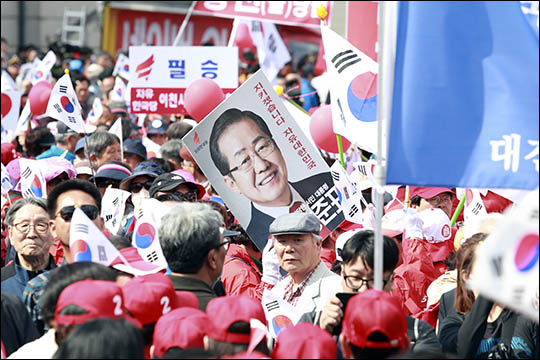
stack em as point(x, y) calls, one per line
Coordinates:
point(277, 211)
point(42, 348)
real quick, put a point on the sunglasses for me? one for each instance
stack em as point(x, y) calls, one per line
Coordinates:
point(66, 212)
point(105, 183)
point(136, 187)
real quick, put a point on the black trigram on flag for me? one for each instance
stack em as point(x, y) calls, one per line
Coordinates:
point(335, 175)
point(272, 305)
point(63, 89)
point(102, 254)
point(477, 208)
point(152, 256)
point(353, 210)
point(345, 59)
point(115, 201)
point(83, 228)
point(108, 217)
point(26, 173)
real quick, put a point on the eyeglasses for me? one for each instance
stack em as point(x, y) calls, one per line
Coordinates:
point(24, 227)
point(263, 148)
point(106, 182)
point(67, 212)
point(189, 196)
point(225, 244)
point(434, 201)
point(136, 187)
point(356, 282)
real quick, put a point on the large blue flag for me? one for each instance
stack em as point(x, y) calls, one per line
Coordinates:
point(465, 103)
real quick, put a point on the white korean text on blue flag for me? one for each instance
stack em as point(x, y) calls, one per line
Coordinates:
point(465, 103)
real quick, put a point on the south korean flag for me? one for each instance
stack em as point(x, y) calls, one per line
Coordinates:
point(64, 106)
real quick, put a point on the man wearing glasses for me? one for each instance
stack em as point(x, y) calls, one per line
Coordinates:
point(29, 233)
point(62, 202)
point(244, 151)
point(194, 243)
point(357, 276)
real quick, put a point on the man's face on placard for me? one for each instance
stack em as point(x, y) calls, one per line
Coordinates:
point(263, 176)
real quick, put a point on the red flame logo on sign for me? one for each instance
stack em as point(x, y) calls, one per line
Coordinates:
point(196, 139)
point(143, 69)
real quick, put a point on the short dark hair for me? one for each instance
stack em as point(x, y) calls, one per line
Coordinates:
point(73, 184)
point(102, 338)
point(165, 165)
point(362, 244)
point(228, 118)
point(178, 129)
point(65, 275)
point(35, 142)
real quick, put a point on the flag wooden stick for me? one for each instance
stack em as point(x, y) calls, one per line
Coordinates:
point(458, 210)
point(407, 196)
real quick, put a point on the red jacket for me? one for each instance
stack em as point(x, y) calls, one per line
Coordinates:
point(240, 274)
point(328, 256)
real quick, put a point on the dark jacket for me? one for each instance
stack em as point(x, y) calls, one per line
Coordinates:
point(15, 277)
point(259, 223)
point(201, 289)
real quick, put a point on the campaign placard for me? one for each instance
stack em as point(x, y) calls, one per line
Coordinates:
point(160, 74)
point(261, 163)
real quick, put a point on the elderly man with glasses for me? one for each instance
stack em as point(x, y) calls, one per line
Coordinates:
point(30, 235)
point(194, 243)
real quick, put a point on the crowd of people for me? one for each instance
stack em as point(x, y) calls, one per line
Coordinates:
point(212, 301)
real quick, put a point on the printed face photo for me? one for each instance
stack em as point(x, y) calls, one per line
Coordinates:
point(257, 167)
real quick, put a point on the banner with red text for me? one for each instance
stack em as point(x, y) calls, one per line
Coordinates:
point(160, 74)
point(279, 12)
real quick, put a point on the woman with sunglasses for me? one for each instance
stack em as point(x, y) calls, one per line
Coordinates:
point(138, 184)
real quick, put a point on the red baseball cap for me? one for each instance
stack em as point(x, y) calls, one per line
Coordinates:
point(246, 355)
point(304, 341)
point(150, 296)
point(99, 298)
point(347, 226)
point(225, 310)
point(184, 327)
point(428, 192)
point(375, 311)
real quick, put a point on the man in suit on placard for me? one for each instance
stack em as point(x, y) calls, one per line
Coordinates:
point(246, 154)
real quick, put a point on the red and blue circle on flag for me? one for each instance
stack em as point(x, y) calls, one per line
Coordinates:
point(67, 104)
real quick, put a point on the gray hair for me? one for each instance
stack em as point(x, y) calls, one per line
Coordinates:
point(13, 209)
point(171, 150)
point(98, 141)
point(61, 138)
point(186, 235)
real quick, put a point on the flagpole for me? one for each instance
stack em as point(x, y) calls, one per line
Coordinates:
point(340, 147)
point(184, 24)
point(234, 30)
point(323, 13)
point(458, 210)
point(387, 22)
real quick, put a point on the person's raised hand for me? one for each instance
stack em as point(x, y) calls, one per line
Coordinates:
point(368, 218)
point(331, 315)
point(270, 263)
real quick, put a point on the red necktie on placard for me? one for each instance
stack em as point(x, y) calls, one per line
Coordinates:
point(294, 207)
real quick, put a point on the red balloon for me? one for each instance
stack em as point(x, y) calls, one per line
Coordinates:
point(39, 97)
point(201, 97)
point(243, 37)
point(322, 131)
